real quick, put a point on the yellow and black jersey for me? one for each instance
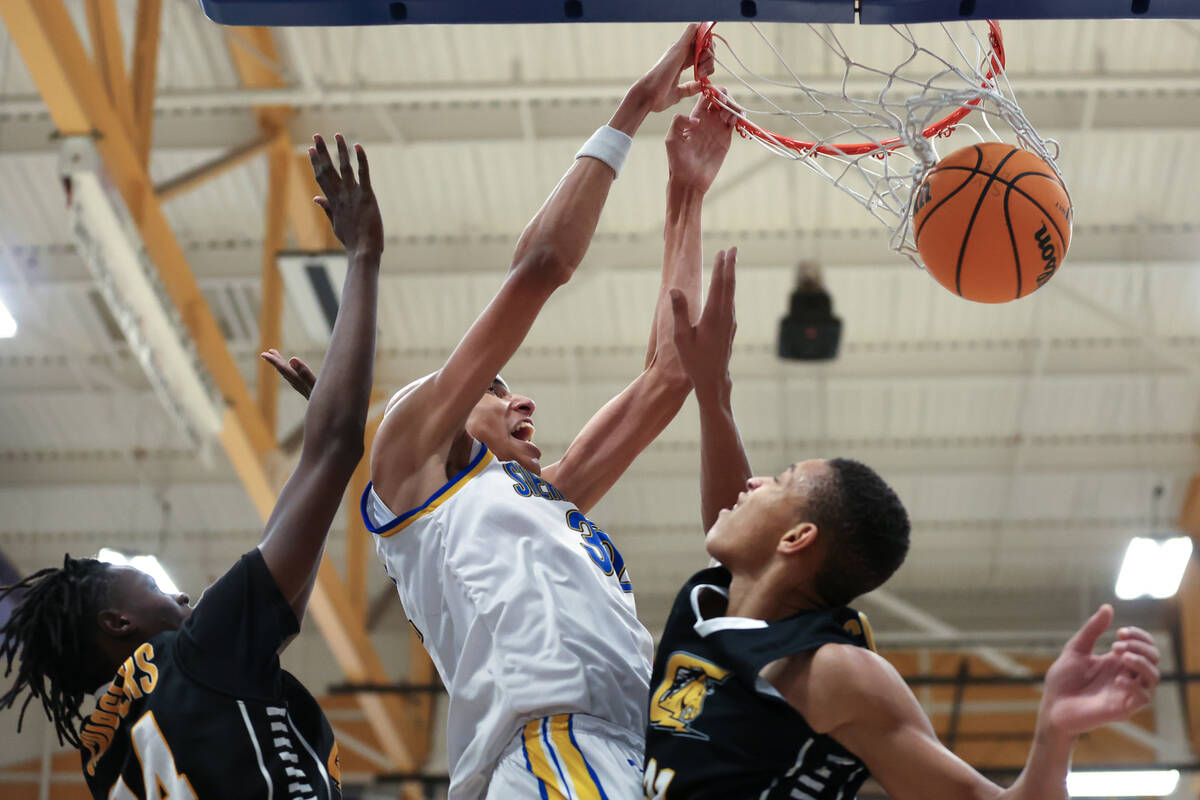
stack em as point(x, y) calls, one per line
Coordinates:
point(207, 712)
point(717, 729)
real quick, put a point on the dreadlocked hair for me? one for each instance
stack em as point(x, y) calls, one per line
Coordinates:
point(53, 629)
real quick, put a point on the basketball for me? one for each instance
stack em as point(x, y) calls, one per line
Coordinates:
point(992, 222)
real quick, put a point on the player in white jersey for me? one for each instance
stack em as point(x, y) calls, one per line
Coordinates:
point(523, 603)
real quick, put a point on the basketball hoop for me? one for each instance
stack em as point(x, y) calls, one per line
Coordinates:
point(876, 131)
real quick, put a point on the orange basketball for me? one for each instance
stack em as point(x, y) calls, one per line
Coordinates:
point(992, 222)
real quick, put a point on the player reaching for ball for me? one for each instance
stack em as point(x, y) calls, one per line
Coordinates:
point(192, 703)
point(522, 601)
point(766, 685)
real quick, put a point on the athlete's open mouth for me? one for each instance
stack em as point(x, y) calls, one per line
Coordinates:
point(523, 431)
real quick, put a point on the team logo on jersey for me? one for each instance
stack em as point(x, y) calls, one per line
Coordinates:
point(679, 699)
point(861, 628)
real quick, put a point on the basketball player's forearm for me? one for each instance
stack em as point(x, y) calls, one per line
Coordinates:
point(683, 254)
point(1045, 773)
point(337, 411)
point(558, 236)
point(724, 468)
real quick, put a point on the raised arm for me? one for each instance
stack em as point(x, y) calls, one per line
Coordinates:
point(696, 147)
point(294, 539)
point(424, 422)
point(704, 350)
point(860, 700)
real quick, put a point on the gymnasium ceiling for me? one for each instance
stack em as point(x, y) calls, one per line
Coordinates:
point(1025, 439)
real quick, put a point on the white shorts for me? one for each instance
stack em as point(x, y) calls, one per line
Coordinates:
point(569, 757)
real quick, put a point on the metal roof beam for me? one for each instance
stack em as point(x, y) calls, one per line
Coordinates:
point(512, 93)
point(147, 34)
point(475, 117)
point(1189, 610)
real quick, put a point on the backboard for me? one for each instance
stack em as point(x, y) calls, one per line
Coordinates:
point(409, 12)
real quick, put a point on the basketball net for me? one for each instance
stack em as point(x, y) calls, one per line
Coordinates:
point(876, 130)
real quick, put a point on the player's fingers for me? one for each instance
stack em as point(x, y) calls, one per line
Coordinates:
point(689, 88)
point(322, 148)
point(729, 281)
point(719, 296)
point(1144, 649)
point(1130, 634)
point(364, 169)
point(322, 167)
point(1133, 695)
point(685, 46)
point(1147, 674)
point(679, 124)
point(1084, 641)
point(304, 371)
point(1140, 697)
point(344, 160)
point(324, 204)
point(716, 290)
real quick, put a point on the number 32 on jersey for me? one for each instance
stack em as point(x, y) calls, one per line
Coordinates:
point(600, 548)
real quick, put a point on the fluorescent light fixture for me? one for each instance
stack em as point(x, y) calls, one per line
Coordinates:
point(1153, 567)
point(1132, 783)
point(8, 325)
point(112, 248)
point(147, 564)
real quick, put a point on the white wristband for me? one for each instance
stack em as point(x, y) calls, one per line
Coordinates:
point(608, 145)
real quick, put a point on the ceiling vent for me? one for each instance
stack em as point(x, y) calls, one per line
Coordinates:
point(313, 282)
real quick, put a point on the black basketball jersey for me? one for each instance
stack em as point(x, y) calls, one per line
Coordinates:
point(718, 730)
point(207, 712)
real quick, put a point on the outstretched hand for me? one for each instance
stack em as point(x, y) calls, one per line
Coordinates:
point(1084, 691)
point(705, 348)
point(661, 87)
point(293, 370)
point(697, 143)
point(350, 204)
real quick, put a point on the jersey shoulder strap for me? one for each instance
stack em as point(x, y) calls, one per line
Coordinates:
point(748, 650)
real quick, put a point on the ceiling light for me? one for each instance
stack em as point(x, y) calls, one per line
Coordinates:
point(1153, 567)
point(8, 325)
point(109, 244)
point(147, 564)
point(1131, 783)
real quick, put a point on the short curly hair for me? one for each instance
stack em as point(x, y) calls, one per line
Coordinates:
point(866, 527)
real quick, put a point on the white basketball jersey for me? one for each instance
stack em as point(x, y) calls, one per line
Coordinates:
point(524, 606)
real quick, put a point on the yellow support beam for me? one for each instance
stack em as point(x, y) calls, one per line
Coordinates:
point(358, 538)
point(145, 71)
point(1188, 599)
point(108, 52)
point(270, 318)
point(78, 103)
